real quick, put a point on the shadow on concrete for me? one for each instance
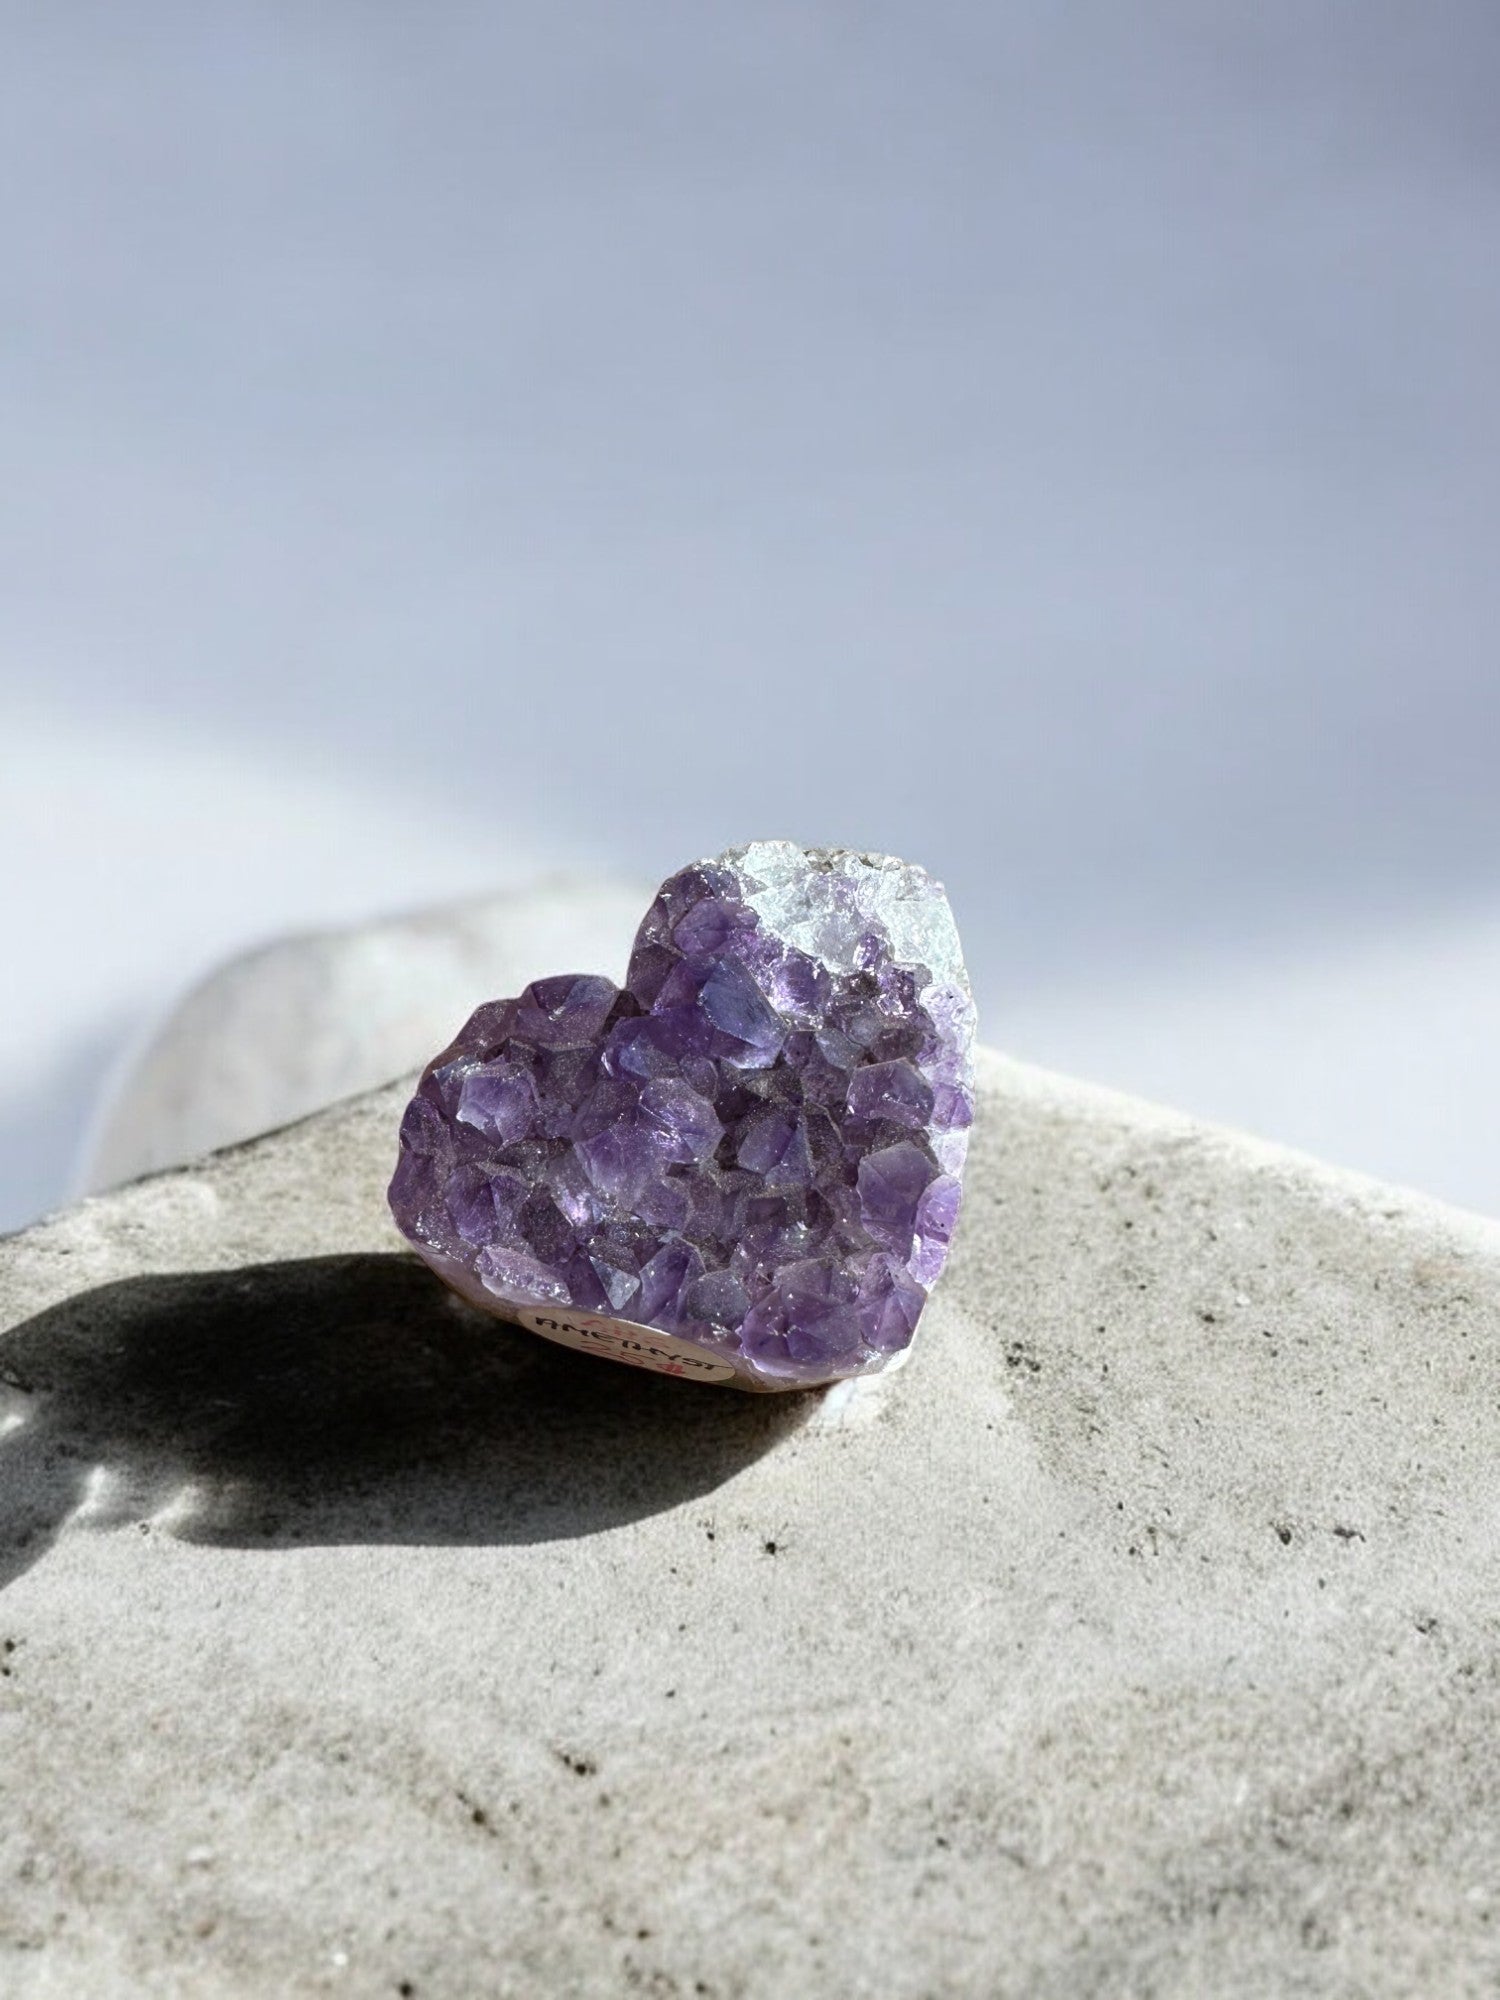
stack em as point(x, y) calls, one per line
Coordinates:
point(341, 1400)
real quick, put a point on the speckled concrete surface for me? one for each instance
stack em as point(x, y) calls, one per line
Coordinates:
point(1138, 1638)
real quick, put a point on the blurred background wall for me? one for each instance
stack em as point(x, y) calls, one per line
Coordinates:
point(1057, 443)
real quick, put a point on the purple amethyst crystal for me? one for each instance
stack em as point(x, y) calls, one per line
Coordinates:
point(754, 1146)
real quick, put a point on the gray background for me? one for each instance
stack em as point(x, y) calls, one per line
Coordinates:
point(1055, 443)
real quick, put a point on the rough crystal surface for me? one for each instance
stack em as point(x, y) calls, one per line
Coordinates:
point(755, 1144)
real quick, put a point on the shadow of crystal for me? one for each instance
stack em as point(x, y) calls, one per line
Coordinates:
point(342, 1400)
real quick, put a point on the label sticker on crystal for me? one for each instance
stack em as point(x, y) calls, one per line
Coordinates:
point(622, 1340)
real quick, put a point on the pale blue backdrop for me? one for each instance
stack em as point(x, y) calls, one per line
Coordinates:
point(1061, 444)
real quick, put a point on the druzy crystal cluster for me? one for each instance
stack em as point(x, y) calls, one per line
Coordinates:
point(754, 1145)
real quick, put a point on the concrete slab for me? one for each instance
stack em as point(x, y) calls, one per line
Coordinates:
point(1139, 1637)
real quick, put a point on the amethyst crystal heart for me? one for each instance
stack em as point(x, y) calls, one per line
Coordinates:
point(753, 1148)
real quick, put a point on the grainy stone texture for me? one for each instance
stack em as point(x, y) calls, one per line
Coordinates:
point(1138, 1637)
point(284, 1030)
